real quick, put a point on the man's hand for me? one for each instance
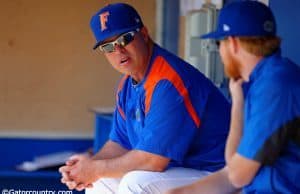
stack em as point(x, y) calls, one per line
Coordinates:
point(236, 91)
point(84, 170)
point(71, 171)
point(65, 170)
point(66, 177)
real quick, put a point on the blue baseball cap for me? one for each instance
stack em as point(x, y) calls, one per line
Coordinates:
point(244, 18)
point(114, 19)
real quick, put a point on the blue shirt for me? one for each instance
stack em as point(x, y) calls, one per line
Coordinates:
point(175, 112)
point(272, 125)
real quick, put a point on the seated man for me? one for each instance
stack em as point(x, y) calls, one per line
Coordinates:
point(263, 146)
point(170, 124)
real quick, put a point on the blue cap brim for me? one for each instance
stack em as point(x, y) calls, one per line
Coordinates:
point(213, 35)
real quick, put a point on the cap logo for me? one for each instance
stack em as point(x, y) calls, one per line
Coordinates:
point(269, 26)
point(137, 20)
point(103, 20)
point(226, 28)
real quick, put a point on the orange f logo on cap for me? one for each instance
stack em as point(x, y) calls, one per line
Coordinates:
point(103, 20)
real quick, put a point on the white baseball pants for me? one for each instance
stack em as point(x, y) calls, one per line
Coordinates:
point(147, 182)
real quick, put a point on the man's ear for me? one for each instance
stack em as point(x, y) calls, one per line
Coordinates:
point(233, 44)
point(144, 33)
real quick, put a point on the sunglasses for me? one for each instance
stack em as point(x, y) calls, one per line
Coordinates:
point(121, 41)
point(218, 42)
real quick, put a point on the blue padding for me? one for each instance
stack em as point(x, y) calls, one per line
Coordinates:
point(21, 174)
point(16, 150)
point(102, 129)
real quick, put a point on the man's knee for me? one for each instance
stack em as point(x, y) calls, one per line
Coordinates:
point(104, 185)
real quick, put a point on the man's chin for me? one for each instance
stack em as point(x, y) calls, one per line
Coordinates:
point(236, 77)
point(233, 76)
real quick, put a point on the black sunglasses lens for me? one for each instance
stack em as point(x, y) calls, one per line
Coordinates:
point(128, 38)
point(125, 39)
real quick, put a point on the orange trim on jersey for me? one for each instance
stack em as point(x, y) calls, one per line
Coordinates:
point(162, 70)
point(121, 112)
point(120, 87)
point(121, 83)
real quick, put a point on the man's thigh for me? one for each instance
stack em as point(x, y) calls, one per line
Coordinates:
point(144, 182)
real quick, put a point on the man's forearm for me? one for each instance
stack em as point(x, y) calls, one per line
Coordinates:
point(216, 183)
point(235, 132)
point(110, 150)
point(132, 160)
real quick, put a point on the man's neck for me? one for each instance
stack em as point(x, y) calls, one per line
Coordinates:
point(139, 76)
point(249, 62)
